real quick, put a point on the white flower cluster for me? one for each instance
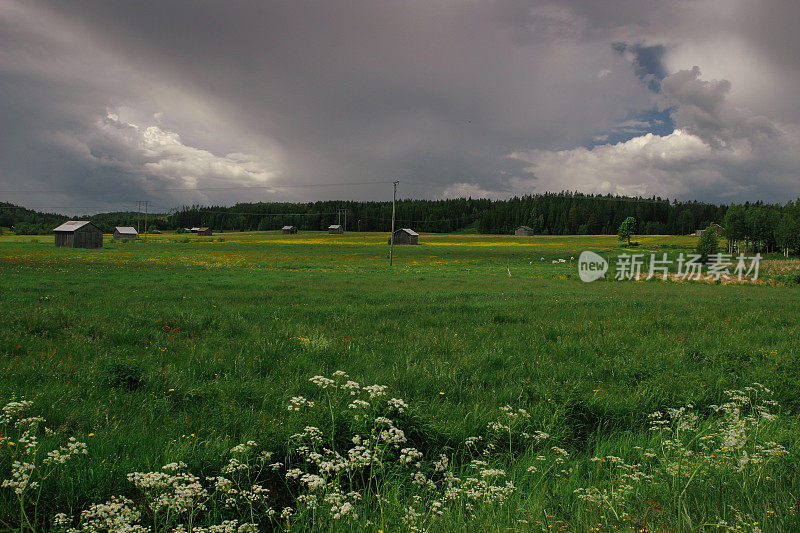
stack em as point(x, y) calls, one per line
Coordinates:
point(352, 387)
point(375, 391)
point(117, 514)
point(730, 440)
point(310, 434)
point(172, 489)
point(64, 453)
point(21, 477)
point(322, 382)
point(298, 402)
point(12, 409)
point(410, 455)
point(227, 526)
point(359, 404)
point(398, 405)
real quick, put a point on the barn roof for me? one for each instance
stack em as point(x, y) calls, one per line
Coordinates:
point(126, 230)
point(525, 228)
point(194, 228)
point(288, 227)
point(334, 226)
point(72, 225)
point(409, 231)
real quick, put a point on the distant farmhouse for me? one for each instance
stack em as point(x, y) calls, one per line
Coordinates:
point(524, 231)
point(203, 232)
point(125, 233)
point(289, 230)
point(78, 234)
point(335, 228)
point(719, 230)
point(194, 229)
point(406, 236)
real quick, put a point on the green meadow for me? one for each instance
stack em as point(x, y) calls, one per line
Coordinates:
point(539, 389)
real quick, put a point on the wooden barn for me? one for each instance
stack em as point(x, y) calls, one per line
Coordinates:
point(524, 231)
point(289, 230)
point(719, 230)
point(125, 233)
point(78, 234)
point(406, 236)
point(335, 228)
point(204, 232)
point(194, 229)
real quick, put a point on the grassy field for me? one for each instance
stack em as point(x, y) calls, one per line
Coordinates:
point(182, 348)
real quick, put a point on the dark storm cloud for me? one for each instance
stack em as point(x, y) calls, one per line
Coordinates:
point(127, 97)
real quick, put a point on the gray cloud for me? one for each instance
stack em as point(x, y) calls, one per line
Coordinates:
point(143, 95)
point(702, 109)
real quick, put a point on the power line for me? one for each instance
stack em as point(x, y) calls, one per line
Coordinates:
point(202, 211)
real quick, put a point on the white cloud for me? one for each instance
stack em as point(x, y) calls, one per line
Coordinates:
point(162, 154)
point(640, 166)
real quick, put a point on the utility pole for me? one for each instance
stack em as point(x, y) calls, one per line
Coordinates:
point(394, 199)
point(145, 219)
point(138, 214)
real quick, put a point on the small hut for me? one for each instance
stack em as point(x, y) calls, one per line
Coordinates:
point(406, 236)
point(125, 233)
point(719, 230)
point(194, 229)
point(289, 230)
point(204, 232)
point(78, 234)
point(524, 231)
point(335, 228)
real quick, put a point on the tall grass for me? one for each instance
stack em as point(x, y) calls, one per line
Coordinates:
point(182, 352)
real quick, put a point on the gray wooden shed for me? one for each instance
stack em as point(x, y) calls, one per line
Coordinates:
point(78, 234)
point(406, 236)
point(335, 228)
point(204, 232)
point(524, 231)
point(289, 230)
point(125, 233)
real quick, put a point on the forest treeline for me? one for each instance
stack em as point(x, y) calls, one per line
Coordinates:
point(548, 214)
point(761, 226)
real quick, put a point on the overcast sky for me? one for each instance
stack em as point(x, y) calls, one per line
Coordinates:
point(178, 102)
